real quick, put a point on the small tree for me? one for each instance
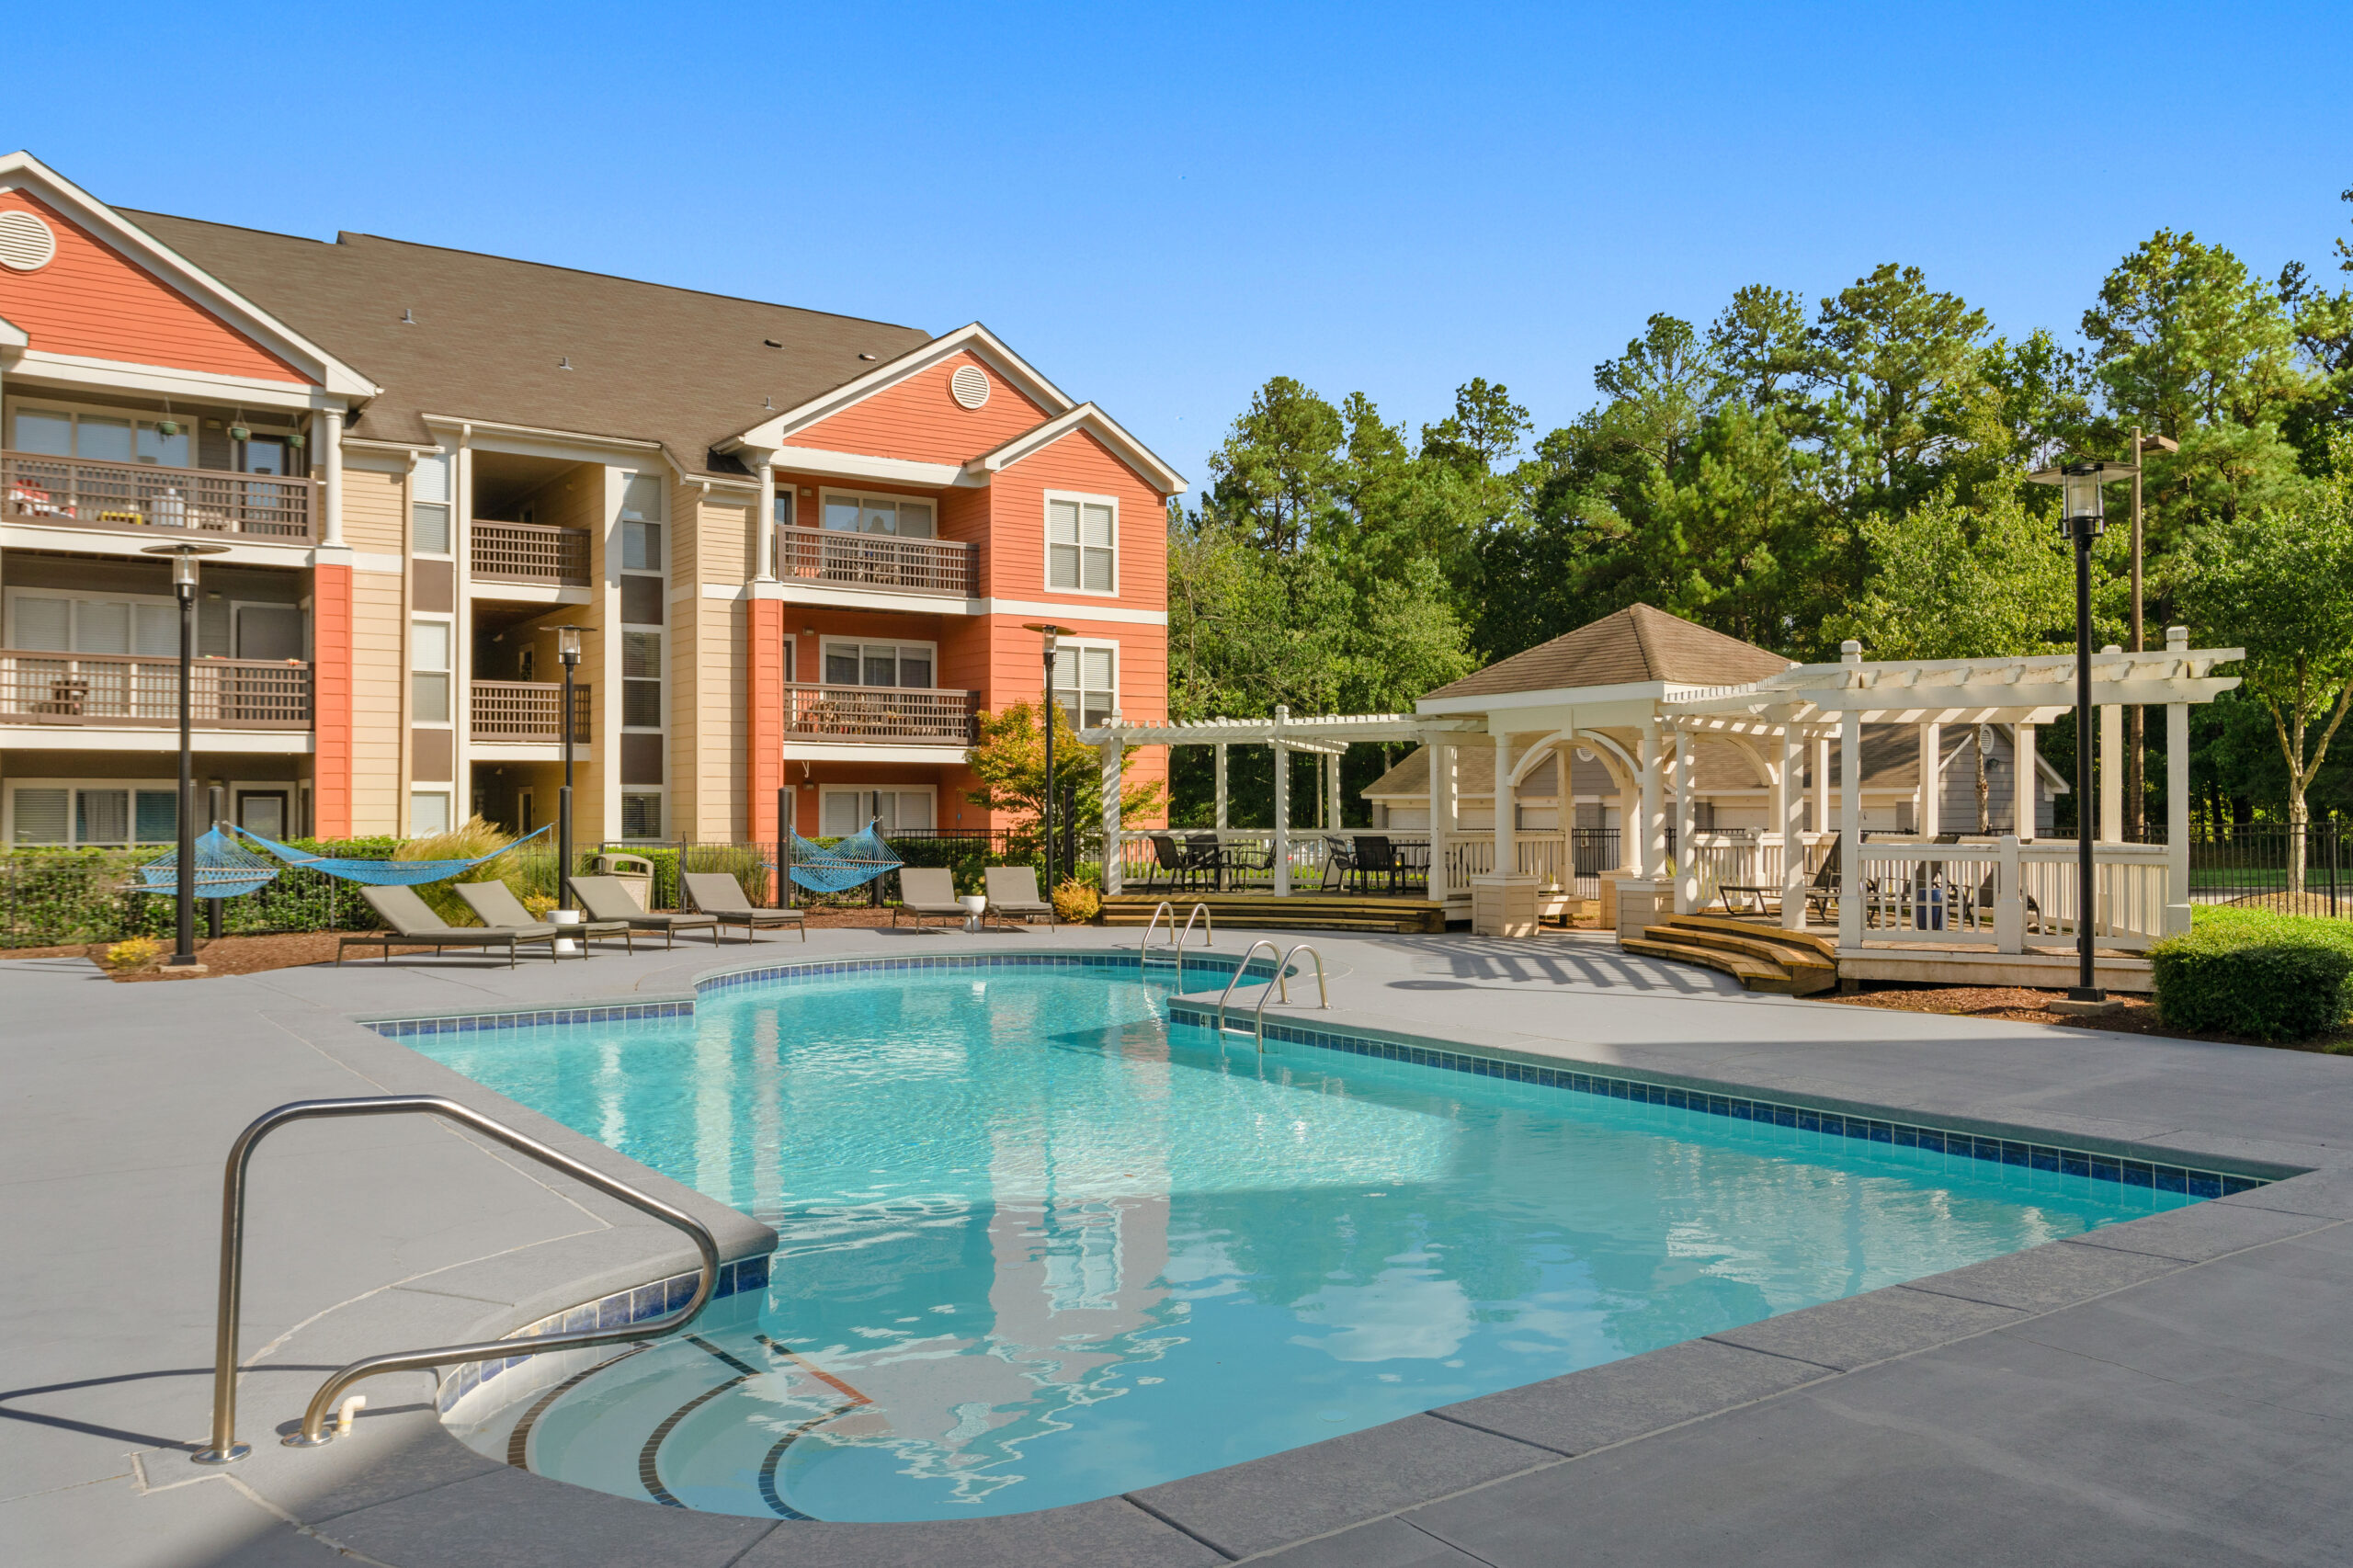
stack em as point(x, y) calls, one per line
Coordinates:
point(2280, 583)
point(1011, 763)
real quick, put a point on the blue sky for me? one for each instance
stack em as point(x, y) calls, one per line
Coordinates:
point(1163, 207)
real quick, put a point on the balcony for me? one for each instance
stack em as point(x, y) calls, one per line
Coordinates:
point(937, 566)
point(530, 552)
point(523, 712)
point(120, 689)
point(84, 493)
point(889, 715)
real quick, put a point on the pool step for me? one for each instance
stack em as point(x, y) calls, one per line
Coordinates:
point(1298, 911)
point(1791, 963)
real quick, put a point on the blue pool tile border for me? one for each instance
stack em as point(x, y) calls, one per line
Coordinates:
point(617, 1310)
point(2050, 1157)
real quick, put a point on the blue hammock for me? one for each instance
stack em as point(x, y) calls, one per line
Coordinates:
point(224, 869)
point(853, 862)
point(383, 873)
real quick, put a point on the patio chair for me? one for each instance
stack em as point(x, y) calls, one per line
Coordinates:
point(1377, 857)
point(1170, 859)
point(927, 893)
point(1013, 895)
point(1822, 893)
point(721, 897)
point(497, 905)
point(1207, 852)
point(606, 898)
point(414, 925)
point(1340, 855)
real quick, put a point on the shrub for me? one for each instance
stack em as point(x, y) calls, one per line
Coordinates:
point(2276, 977)
point(1074, 901)
point(469, 839)
point(132, 954)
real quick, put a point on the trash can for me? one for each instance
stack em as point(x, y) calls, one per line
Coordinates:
point(634, 872)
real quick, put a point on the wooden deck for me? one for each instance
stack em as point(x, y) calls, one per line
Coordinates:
point(1756, 950)
point(1299, 912)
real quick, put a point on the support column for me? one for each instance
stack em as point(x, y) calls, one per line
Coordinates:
point(1220, 749)
point(1332, 794)
point(2022, 781)
point(330, 449)
point(1282, 807)
point(1507, 845)
point(1113, 753)
point(1687, 827)
point(1443, 805)
point(1850, 830)
point(1930, 815)
point(1653, 826)
point(2110, 763)
point(1503, 902)
point(2177, 909)
point(1822, 784)
point(1792, 819)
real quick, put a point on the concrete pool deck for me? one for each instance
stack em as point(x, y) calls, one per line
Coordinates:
point(2176, 1388)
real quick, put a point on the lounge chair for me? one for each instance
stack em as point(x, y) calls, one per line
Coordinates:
point(721, 897)
point(607, 898)
point(414, 925)
point(498, 905)
point(927, 893)
point(1013, 895)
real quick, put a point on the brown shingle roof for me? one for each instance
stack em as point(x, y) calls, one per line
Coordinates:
point(648, 362)
point(1636, 645)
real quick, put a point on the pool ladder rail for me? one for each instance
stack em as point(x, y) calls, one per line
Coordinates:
point(224, 1449)
point(1209, 926)
point(1279, 982)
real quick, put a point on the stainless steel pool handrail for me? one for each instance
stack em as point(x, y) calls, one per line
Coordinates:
point(1144, 949)
point(1209, 926)
point(225, 1448)
point(1235, 978)
point(1259, 1017)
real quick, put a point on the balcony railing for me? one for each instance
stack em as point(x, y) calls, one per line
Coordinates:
point(128, 689)
point(530, 552)
point(526, 711)
point(905, 715)
point(81, 492)
point(877, 561)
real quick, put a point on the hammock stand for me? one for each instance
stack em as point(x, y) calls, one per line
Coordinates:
point(381, 873)
point(853, 862)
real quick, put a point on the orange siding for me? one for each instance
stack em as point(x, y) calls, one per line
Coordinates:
point(1016, 567)
point(918, 420)
point(331, 695)
point(90, 301)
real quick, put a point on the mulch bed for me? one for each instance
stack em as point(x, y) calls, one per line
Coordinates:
point(2020, 1003)
point(253, 955)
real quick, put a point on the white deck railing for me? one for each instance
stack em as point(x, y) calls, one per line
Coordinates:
point(2002, 895)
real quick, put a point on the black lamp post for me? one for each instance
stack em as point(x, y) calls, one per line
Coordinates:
point(2083, 517)
point(184, 556)
point(567, 652)
point(1052, 634)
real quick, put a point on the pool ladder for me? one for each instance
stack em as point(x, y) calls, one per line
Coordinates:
point(1209, 926)
point(224, 1449)
point(1283, 969)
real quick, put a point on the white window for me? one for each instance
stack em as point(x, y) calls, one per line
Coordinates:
point(641, 499)
point(641, 547)
point(891, 810)
point(428, 811)
point(53, 623)
point(1086, 681)
point(97, 815)
point(880, 664)
point(640, 816)
point(1082, 544)
point(877, 515)
point(641, 685)
point(102, 437)
point(429, 671)
point(429, 508)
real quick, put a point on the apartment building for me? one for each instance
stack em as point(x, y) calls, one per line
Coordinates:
point(802, 550)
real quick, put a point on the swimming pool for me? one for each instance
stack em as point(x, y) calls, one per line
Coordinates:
point(1038, 1244)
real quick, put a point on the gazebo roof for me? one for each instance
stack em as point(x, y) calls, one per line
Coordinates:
point(1637, 645)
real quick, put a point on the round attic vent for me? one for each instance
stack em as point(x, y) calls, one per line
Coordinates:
point(26, 243)
point(971, 385)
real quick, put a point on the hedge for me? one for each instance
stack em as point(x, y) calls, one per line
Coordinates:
point(53, 898)
point(2274, 977)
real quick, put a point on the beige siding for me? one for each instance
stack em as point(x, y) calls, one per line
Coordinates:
point(377, 689)
point(720, 809)
point(375, 510)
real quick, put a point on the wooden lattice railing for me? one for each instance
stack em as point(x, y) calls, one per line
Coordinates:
point(525, 710)
point(132, 689)
point(530, 552)
point(83, 493)
point(917, 715)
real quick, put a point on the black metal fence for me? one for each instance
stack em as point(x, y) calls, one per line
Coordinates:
point(2270, 865)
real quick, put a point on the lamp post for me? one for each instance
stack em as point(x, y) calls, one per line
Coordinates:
point(2083, 519)
point(1053, 635)
point(184, 556)
point(567, 652)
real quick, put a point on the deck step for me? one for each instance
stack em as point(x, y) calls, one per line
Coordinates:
point(1298, 911)
point(1822, 946)
point(1808, 972)
point(1753, 973)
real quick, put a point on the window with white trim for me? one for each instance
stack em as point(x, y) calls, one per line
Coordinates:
point(900, 515)
point(880, 664)
point(429, 506)
point(102, 437)
point(1086, 681)
point(893, 809)
point(640, 815)
point(640, 682)
point(119, 623)
point(1082, 544)
point(429, 645)
point(99, 815)
point(428, 811)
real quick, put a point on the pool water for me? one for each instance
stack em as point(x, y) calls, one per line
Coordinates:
point(1038, 1245)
